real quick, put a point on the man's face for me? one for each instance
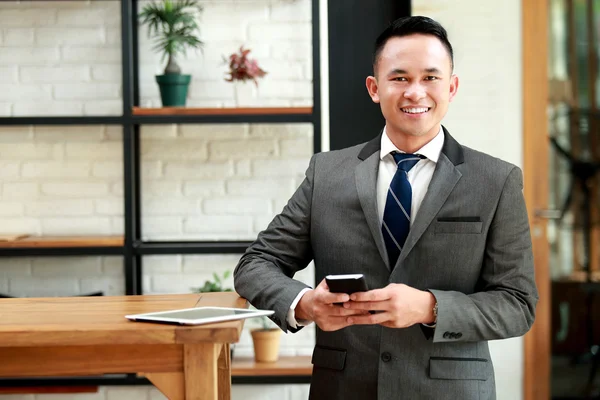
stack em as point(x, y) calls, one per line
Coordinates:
point(414, 84)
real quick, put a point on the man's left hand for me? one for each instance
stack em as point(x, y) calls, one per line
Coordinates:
point(396, 306)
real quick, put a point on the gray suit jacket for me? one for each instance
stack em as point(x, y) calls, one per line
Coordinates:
point(469, 245)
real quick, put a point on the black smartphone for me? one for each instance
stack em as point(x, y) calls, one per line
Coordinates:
point(346, 283)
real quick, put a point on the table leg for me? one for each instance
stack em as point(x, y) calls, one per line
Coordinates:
point(224, 372)
point(200, 370)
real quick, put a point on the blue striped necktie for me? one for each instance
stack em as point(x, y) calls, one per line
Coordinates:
point(396, 215)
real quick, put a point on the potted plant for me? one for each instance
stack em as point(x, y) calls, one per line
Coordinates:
point(215, 285)
point(266, 341)
point(241, 69)
point(174, 24)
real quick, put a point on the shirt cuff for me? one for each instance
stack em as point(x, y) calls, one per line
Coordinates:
point(291, 316)
point(429, 326)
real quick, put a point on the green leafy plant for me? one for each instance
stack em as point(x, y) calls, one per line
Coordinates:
point(216, 285)
point(266, 324)
point(174, 24)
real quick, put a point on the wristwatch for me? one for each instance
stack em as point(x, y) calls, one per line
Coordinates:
point(435, 312)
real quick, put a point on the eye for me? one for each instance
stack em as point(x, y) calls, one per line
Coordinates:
point(400, 79)
point(431, 78)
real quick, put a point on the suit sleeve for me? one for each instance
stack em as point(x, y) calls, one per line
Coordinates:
point(264, 273)
point(504, 304)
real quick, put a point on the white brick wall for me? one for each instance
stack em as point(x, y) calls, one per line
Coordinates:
point(199, 182)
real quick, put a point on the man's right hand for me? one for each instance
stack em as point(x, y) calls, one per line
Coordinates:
point(318, 305)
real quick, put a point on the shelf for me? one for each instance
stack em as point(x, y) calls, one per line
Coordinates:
point(182, 115)
point(221, 247)
point(63, 245)
point(91, 120)
point(285, 366)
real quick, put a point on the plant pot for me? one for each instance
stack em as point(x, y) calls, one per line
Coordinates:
point(173, 89)
point(266, 344)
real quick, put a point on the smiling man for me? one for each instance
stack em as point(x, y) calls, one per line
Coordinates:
point(440, 232)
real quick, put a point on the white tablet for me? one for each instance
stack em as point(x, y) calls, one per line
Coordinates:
point(199, 315)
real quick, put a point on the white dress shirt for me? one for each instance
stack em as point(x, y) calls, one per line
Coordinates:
point(419, 178)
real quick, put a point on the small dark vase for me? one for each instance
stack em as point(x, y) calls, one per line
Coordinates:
point(173, 89)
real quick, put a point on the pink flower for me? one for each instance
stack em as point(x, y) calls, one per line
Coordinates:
point(242, 68)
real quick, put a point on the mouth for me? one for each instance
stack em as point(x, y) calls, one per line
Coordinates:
point(415, 110)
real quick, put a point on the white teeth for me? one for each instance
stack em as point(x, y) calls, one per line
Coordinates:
point(415, 110)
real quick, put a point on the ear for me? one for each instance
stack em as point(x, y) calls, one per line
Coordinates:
point(453, 86)
point(372, 88)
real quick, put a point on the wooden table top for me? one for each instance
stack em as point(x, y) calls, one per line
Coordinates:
point(99, 320)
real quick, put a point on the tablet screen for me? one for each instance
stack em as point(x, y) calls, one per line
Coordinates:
point(201, 313)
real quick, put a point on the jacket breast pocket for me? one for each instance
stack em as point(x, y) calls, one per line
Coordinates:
point(459, 368)
point(327, 357)
point(458, 227)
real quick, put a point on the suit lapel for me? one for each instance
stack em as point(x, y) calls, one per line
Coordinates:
point(445, 177)
point(366, 185)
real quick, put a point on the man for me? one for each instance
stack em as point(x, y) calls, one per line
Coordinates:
point(440, 232)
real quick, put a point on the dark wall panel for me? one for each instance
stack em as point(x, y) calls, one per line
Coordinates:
point(353, 27)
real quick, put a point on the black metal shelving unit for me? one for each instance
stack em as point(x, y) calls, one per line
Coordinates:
point(134, 247)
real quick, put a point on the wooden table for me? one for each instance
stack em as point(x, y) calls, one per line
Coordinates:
point(72, 336)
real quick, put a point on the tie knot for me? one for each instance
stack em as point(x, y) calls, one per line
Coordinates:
point(406, 161)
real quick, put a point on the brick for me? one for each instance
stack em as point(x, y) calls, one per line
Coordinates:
point(107, 73)
point(20, 190)
point(210, 90)
point(109, 285)
point(283, 69)
point(62, 207)
point(107, 169)
point(169, 206)
point(75, 189)
point(153, 227)
point(9, 170)
point(11, 209)
point(152, 169)
point(183, 149)
point(14, 267)
point(20, 225)
point(281, 89)
point(15, 92)
point(243, 168)
point(235, 206)
point(103, 107)
point(29, 56)
point(107, 15)
point(129, 393)
point(17, 17)
point(69, 134)
point(278, 187)
point(113, 133)
point(16, 134)
point(79, 225)
point(161, 188)
point(87, 91)
point(72, 267)
point(68, 36)
point(289, 167)
point(9, 74)
point(258, 392)
point(5, 110)
point(296, 147)
point(218, 263)
point(214, 131)
point(54, 169)
point(179, 283)
point(159, 265)
point(203, 188)
point(291, 11)
point(117, 189)
point(113, 36)
point(18, 37)
point(159, 132)
point(223, 225)
point(113, 265)
point(95, 151)
point(198, 170)
point(47, 108)
point(292, 31)
point(113, 207)
point(155, 394)
point(228, 150)
point(261, 223)
point(292, 51)
point(64, 73)
point(89, 54)
point(117, 225)
point(26, 151)
point(230, 32)
point(281, 131)
point(44, 286)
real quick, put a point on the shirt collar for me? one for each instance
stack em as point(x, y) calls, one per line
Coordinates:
point(431, 150)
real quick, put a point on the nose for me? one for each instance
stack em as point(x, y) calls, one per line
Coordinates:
point(415, 92)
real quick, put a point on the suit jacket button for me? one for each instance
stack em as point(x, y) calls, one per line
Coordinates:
point(458, 335)
point(446, 335)
point(452, 335)
point(386, 357)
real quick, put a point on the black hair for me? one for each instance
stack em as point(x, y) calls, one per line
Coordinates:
point(409, 26)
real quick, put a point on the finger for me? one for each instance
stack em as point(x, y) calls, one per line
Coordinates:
point(342, 311)
point(372, 295)
point(333, 323)
point(367, 305)
point(371, 319)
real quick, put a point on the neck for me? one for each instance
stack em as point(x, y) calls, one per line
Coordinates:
point(411, 143)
